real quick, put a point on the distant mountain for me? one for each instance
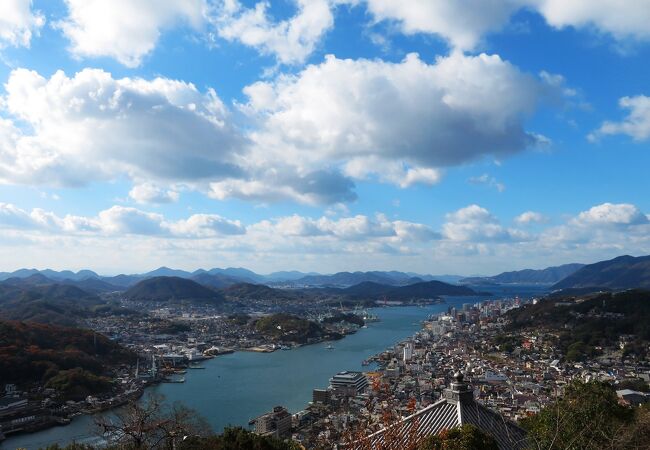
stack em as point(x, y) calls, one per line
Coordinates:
point(166, 272)
point(94, 285)
point(51, 274)
point(244, 275)
point(123, 281)
point(256, 292)
point(624, 272)
point(550, 275)
point(285, 275)
point(345, 279)
point(50, 303)
point(36, 279)
point(416, 291)
point(216, 281)
point(172, 289)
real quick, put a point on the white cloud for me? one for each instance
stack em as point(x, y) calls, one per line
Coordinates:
point(355, 228)
point(603, 231)
point(278, 182)
point(124, 220)
point(462, 24)
point(94, 127)
point(621, 19)
point(290, 41)
point(401, 121)
point(529, 217)
point(207, 225)
point(635, 125)
point(126, 30)
point(609, 214)
point(150, 193)
point(18, 23)
point(119, 220)
point(472, 240)
point(476, 224)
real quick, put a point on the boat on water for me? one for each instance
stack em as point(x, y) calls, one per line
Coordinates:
point(369, 317)
point(329, 347)
point(175, 380)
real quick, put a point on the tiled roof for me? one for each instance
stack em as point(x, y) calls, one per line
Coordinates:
point(456, 409)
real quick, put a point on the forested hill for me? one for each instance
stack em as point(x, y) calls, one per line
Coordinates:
point(624, 272)
point(172, 289)
point(588, 322)
point(549, 275)
point(71, 360)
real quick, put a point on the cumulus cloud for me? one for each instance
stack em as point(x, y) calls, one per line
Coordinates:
point(529, 217)
point(401, 121)
point(92, 126)
point(610, 214)
point(18, 23)
point(126, 30)
point(290, 41)
point(355, 228)
point(477, 224)
point(623, 20)
point(636, 124)
point(607, 229)
point(119, 220)
point(463, 24)
point(286, 183)
point(150, 193)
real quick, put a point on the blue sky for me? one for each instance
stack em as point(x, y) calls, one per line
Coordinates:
point(323, 135)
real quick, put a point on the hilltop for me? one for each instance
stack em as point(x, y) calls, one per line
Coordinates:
point(49, 303)
point(172, 289)
point(412, 292)
point(624, 272)
point(550, 275)
point(73, 361)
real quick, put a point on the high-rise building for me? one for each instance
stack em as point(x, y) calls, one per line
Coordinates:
point(348, 383)
point(408, 351)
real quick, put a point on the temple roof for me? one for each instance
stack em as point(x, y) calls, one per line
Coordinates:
point(457, 408)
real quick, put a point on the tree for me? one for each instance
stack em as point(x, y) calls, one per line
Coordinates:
point(152, 425)
point(588, 416)
point(236, 438)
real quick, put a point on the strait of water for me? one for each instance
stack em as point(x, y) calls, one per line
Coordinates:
point(238, 387)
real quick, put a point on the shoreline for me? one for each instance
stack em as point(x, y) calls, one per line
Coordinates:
point(371, 358)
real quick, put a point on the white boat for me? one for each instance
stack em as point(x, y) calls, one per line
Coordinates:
point(329, 347)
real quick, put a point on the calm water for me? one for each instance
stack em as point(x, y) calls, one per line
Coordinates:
point(237, 387)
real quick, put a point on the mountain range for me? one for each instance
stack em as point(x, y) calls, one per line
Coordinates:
point(220, 278)
point(548, 276)
point(624, 272)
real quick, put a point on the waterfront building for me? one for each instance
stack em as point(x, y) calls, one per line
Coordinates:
point(349, 383)
point(321, 396)
point(275, 423)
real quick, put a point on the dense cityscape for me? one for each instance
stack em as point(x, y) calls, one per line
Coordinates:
point(517, 355)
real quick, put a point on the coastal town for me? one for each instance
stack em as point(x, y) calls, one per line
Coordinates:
point(515, 382)
point(516, 373)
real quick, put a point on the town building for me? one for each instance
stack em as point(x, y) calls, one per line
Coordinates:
point(276, 423)
point(348, 383)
